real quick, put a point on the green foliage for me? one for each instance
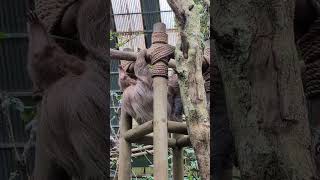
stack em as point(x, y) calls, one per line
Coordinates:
point(191, 165)
point(28, 114)
point(204, 21)
point(12, 102)
point(121, 40)
point(14, 175)
point(147, 178)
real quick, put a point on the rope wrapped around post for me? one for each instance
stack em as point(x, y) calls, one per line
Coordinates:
point(160, 51)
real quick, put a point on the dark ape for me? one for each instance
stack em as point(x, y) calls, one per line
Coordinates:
point(85, 19)
point(71, 133)
point(307, 36)
point(138, 92)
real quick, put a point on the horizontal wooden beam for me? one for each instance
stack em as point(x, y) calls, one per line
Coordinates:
point(142, 153)
point(183, 141)
point(139, 131)
point(142, 148)
point(148, 140)
point(122, 55)
point(132, 56)
point(177, 127)
point(146, 128)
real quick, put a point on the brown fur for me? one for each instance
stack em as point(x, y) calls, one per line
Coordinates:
point(138, 93)
point(72, 133)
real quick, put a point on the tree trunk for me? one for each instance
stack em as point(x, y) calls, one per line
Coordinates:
point(257, 57)
point(189, 56)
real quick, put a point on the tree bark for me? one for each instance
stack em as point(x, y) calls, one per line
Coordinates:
point(189, 56)
point(257, 57)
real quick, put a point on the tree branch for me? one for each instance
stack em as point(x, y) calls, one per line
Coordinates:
point(177, 8)
point(189, 58)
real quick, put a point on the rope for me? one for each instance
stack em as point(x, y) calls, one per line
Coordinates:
point(159, 37)
point(160, 69)
point(160, 51)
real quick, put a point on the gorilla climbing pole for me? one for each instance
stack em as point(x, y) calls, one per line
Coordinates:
point(160, 53)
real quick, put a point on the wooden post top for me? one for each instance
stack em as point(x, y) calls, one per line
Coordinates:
point(159, 27)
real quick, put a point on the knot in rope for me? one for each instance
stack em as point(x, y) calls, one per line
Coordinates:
point(161, 53)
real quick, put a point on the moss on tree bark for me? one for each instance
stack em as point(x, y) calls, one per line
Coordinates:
point(189, 56)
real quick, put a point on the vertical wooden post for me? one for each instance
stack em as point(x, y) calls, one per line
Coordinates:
point(160, 89)
point(177, 161)
point(124, 172)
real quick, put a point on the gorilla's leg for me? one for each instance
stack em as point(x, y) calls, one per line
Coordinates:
point(314, 118)
point(45, 168)
point(90, 149)
point(223, 148)
point(178, 108)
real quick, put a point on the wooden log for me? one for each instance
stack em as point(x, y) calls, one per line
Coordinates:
point(124, 172)
point(160, 125)
point(142, 153)
point(142, 148)
point(146, 152)
point(122, 55)
point(139, 131)
point(177, 159)
point(183, 141)
point(146, 128)
point(149, 140)
point(132, 56)
point(177, 127)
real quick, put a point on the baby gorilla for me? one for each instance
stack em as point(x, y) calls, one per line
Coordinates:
point(138, 93)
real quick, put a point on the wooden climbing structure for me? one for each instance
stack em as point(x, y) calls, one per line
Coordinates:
point(159, 53)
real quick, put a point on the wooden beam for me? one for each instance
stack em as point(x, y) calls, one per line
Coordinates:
point(132, 56)
point(139, 131)
point(142, 148)
point(142, 153)
point(177, 127)
point(148, 140)
point(122, 55)
point(183, 141)
point(124, 172)
point(160, 125)
point(146, 128)
point(177, 159)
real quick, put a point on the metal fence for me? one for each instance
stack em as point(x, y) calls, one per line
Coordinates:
point(15, 81)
